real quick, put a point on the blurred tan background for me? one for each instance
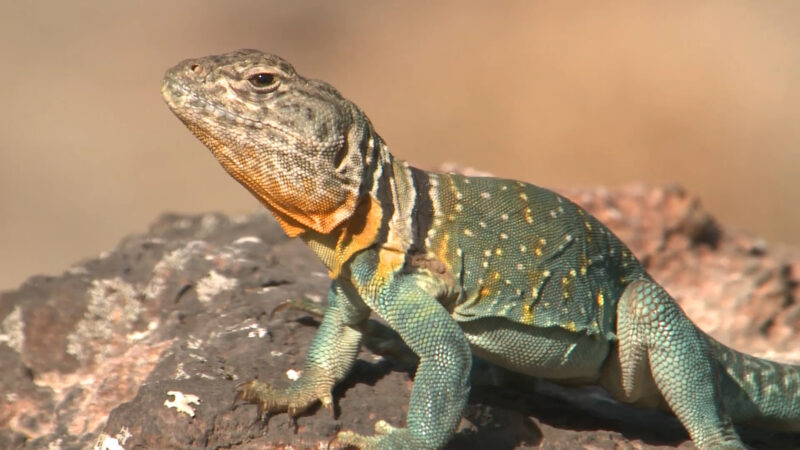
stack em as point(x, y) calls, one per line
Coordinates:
point(705, 94)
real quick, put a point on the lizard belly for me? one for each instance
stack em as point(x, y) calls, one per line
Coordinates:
point(553, 353)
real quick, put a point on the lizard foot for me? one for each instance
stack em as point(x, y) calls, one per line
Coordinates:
point(294, 400)
point(386, 437)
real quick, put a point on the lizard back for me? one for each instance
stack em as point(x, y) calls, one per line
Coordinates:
point(527, 254)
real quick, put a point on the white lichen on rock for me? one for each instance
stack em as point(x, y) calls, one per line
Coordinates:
point(251, 327)
point(180, 373)
point(136, 336)
point(174, 261)
point(213, 284)
point(12, 330)
point(247, 240)
point(116, 442)
point(182, 401)
point(112, 308)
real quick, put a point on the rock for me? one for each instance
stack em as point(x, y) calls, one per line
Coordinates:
point(143, 346)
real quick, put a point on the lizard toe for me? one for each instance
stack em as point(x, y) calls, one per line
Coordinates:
point(386, 437)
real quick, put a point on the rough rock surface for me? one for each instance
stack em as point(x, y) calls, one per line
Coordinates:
point(143, 346)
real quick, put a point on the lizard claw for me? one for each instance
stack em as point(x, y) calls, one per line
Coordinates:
point(386, 436)
point(327, 403)
point(240, 392)
point(259, 393)
point(302, 304)
point(382, 427)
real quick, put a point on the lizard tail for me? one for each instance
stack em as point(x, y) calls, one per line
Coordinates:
point(757, 391)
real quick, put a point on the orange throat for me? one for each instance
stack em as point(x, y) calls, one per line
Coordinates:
point(335, 249)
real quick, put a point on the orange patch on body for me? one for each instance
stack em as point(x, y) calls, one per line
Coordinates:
point(389, 262)
point(295, 218)
point(441, 249)
point(358, 233)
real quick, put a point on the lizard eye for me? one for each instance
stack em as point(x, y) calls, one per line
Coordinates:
point(263, 80)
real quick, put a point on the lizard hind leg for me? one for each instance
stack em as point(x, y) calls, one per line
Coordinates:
point(655, 336)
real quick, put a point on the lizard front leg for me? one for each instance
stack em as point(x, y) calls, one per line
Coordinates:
point(441, 383)
point(330, 357)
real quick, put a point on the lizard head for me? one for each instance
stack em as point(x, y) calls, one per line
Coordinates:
point(296, 144)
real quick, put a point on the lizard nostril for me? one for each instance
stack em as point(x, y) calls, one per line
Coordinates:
point(195, 68)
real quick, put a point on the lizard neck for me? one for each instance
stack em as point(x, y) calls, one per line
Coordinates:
point(382, 219)
point(358, 232)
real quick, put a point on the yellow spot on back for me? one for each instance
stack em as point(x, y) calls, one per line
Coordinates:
point(600, 299)
point(527, 315)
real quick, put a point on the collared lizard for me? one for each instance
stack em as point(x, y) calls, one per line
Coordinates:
point(457, 266)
